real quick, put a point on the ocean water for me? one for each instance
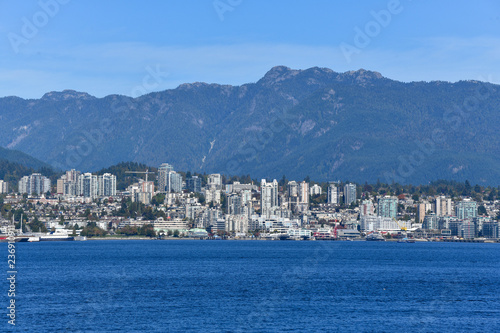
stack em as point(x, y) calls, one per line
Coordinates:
point(254, 286)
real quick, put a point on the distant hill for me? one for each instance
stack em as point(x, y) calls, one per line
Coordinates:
point(355, 125)
point(15, 164)
point(16, 156)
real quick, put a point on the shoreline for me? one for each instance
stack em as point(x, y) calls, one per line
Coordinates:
point(488, 241)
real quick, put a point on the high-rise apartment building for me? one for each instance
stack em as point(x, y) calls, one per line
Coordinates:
point(333, 194)
point(366, 208)
point(422, 209)
point(169, 181)
point(214, 181)
point(4, 186)
point(304, 192)
point(34, 184)
point(193, 184)
point(163, 172)
point(466, 209)
point(88, 185)
point(349, 194)
point(292, 189)
point(234, 204)
point(315, 190)
point(174, 182)
point(268, 196)
point(443, 206)
point(387, 207)
point(107, 185)
point(69, 183)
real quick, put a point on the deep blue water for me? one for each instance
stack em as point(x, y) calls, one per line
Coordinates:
point(255, 286)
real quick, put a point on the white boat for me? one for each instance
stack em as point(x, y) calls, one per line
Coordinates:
point(53, 237)
point(375, 236)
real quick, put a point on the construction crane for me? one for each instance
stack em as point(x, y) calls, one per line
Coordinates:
point(147, 172)
point(399, 225)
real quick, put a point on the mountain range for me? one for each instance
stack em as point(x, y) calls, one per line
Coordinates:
point(357, 126)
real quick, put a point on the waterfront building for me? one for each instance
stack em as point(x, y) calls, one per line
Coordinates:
point(379, 223)
point(431, 222)
point(466, 209)
point(491, 229)
point(462, 228)
point(170, 224)
point(349, 194)
point(219, 226)
point(479, 221)
point(468, 230)
point(387, 207)
point(236, 223)
point(444, 222)
point(455, 227)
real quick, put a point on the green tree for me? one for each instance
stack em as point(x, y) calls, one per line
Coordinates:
point(481, 210)
point(158, 199)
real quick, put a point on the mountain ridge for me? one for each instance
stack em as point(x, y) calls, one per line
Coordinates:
point(355, 125)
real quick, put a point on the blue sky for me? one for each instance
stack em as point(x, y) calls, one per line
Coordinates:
point(107, 47)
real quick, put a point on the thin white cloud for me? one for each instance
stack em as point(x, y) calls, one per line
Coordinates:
point(119, 67)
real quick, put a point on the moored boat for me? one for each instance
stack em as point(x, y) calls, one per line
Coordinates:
point(53, 237)
point(375, 236)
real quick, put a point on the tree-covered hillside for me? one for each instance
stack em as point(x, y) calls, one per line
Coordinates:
point(356, 125)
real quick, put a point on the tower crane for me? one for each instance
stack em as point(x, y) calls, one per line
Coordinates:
point(399, 225)
point(147, 172)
